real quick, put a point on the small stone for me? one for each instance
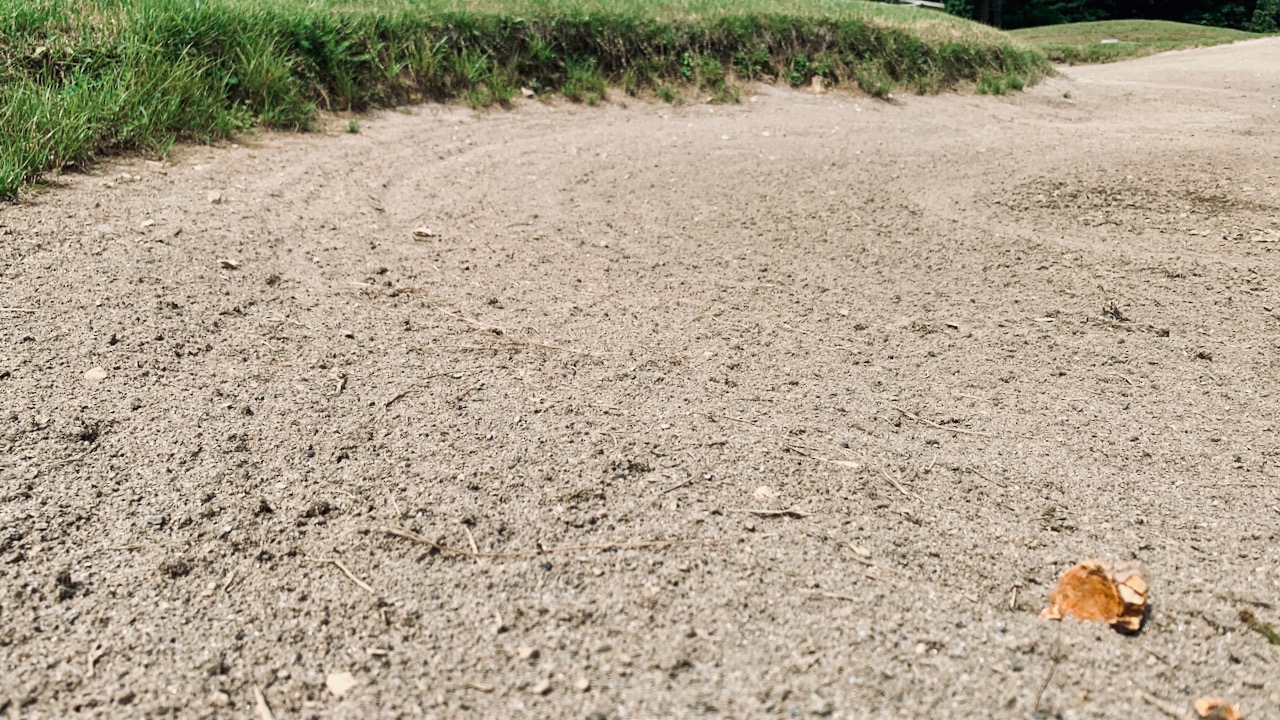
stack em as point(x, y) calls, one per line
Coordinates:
point(95, 374)
point(125, 697)
point(175, 568)
point(340, 683)
point(582, 684)
point(921, 648)
point(155, 520)
point(227, 264)
point(820, 707)
point(219, 699)
point(542, 687)
point(526, 652)
point(215, 197)
point(527, 92)
point(424, 232)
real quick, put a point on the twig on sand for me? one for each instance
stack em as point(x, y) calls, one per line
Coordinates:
point(94, 654)
point(636, 545)
point(346, 571)
point(67, 461)
point(1044, 685)
point(280, 318)
point(514, 344)
point(930, 423)
point(505, 333)
point(621, 545)
point(830, 595)
point(980, 474)
point(1163, 706)
point(722, 416)
point(496, 330)
point(1126, 379)
point(677, 486)
point(552, 346)
point(809, 453)
point(897, 485)
point(471, 540)
point(793, 512)
point(422, 540)
point(260, 706)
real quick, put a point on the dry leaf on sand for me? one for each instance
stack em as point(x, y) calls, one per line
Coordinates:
point(1097, 591)
point(1217, 709)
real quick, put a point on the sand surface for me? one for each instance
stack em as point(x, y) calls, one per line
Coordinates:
point(791, 408)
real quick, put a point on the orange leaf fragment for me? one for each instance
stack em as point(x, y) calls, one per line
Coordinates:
point(1217, 709)
point(1095, 591)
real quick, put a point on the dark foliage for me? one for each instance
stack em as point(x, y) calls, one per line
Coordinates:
point(1255, 15)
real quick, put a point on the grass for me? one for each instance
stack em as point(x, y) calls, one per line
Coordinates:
point(1080, 43)
point(83, 78)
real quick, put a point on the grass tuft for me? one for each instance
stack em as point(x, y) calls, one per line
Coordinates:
point(83, 78)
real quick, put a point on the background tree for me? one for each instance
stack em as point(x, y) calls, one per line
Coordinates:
point(1266, 17)
point(1256, 15)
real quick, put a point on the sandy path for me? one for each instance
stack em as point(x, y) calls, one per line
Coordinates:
point(630, 325)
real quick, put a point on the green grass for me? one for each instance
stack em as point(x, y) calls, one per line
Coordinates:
point(1080, 43)
point(80, 79)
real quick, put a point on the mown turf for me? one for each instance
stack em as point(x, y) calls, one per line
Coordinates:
point(1080, 43)
point(80, 78)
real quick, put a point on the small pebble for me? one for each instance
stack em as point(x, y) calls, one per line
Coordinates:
point(821, 707)
point(219, 699)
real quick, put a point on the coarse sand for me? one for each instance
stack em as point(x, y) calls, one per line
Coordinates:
point(791, 408)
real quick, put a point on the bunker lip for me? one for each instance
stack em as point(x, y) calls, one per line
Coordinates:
point(796, 406)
